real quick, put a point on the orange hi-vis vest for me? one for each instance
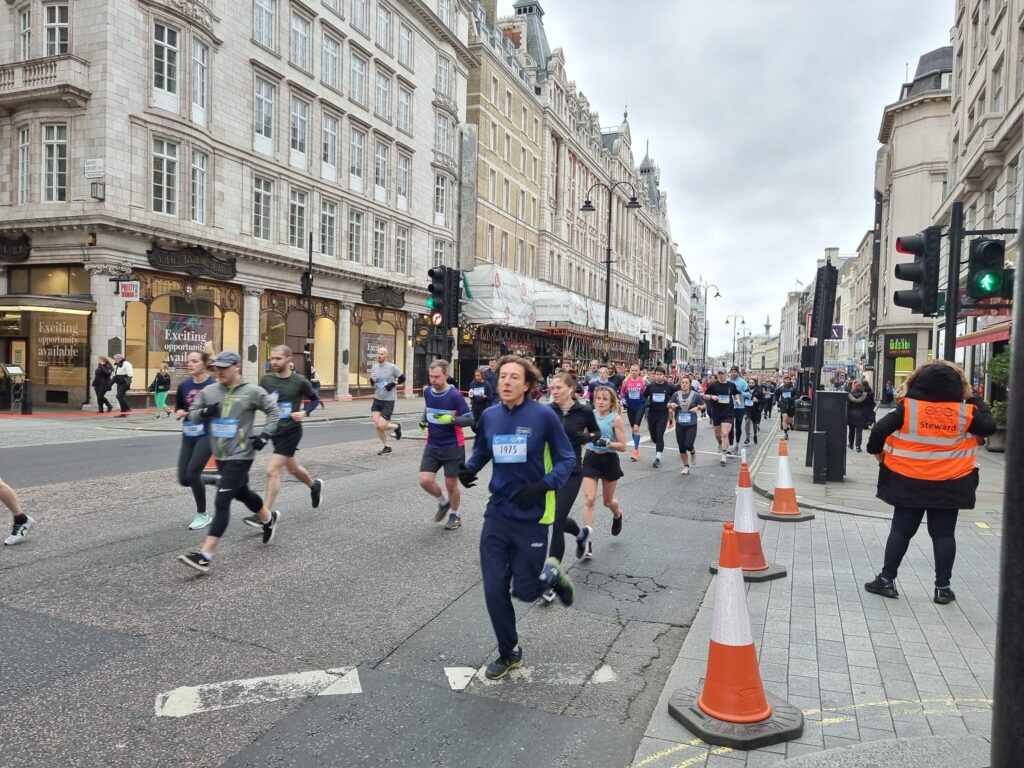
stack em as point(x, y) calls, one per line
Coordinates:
point(933, 442)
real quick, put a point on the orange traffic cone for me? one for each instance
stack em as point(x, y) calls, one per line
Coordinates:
point(733, 708)
point(755, 567)
point(784, 506)
point(211, 474)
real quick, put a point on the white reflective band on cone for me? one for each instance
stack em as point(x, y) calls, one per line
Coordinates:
point(785, 478)
point(746, 517)
point(730, 622)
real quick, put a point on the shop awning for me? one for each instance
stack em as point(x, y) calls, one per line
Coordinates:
point(998, 332)
point(57, 304)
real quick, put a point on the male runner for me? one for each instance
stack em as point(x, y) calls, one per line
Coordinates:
point(786, 397)
point(602, 380)
point(617, 376)
point(228, 410)
point(385, 377)
point(632, 396)
point(532, 458)
point(591, 373)
point(22, 522)
point(445, 413)
point(739, 408)
point(289, 389)
point(721, 396)
point(656, 396)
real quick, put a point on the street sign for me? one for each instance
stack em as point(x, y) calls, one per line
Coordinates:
point(129, 290)
point(436, 318)
point(837, 332)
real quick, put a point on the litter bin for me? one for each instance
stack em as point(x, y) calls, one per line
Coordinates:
point(802, 418)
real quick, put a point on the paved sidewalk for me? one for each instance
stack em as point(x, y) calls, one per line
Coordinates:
point(901, 682)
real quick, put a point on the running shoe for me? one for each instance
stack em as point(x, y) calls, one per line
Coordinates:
point(634, 455)
point(657, 463)
point(944, 595)
point(442, 508)
point(19, 531)
point(196, 560)
point(723, 459)
point(882, 586)
point(617, 525)
point(589, 554)
point(385, 450)
point(398, 432)
point(582, 540)
point(500, 667)
point(200, 521)
point(454, 521)
point(693, 458)
point(548, 597)
point(253, 520)
point(559, 581)
point(755, 438)
point(747, 441)
point(685, 470)
point(316, 492)
point(269, 529)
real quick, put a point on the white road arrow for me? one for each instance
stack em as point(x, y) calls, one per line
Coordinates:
point(191, 700)
point(459, 678)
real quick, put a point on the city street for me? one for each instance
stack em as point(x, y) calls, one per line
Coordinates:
point(381, 608)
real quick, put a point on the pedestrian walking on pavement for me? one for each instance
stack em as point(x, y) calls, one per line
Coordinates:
point(160, 387)
point(123, 373)
point(385, 377)
point(102, 381)
point(195, 442)
point(22, 522)
point(532, 458)
point(445, 415)
point(860, 409)
point(228, 410)
point(926, 449)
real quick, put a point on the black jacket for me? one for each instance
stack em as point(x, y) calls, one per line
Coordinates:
point(102, 377)
point(860, 409)
point(936, 384)
point(581, 427)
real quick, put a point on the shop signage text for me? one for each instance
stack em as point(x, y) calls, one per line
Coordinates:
point(900, 346)
point(13, 251)
point(193, 261)
point(384, 296)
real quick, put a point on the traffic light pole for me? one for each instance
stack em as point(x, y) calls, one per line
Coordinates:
point(956, 244)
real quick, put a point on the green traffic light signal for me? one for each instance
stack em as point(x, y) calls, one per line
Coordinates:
point(430, 302)
point(988, 283)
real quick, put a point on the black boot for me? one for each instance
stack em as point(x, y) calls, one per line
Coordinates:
point(884, 587)
point(944, 595)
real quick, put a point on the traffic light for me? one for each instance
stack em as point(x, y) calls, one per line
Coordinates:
point(923, 272)
point(452, 297)
point(437, 293)
point(985, 268)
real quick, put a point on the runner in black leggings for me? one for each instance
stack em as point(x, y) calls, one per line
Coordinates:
point(685, 406)
point(656, 397)
point(195, 443)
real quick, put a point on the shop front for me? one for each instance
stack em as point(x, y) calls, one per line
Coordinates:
point(899, 358)
point(374, 327)
point(284, 320)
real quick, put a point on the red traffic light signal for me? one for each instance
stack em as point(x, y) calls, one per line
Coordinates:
point(923, 272)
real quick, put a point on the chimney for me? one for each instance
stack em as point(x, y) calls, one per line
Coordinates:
point(490, 11)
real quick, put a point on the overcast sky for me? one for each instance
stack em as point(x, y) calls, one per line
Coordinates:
point(763, 117)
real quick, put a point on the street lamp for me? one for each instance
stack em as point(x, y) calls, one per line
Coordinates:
point(588, 207)
point(702, 283)
point(743, 322)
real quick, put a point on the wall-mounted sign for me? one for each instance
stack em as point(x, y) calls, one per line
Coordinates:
point(904, 345)
point(384, 296)
point(194, 261)
point(129, 290)
point(94, 168)
point(15, 250)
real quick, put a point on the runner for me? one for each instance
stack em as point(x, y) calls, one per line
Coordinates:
point(753, 398)
point(684, 407)
point(481, 394)
point(616, 376)
point(289, 389)
point(591, 373)
point(532, 458)
point(601, 463)
point(602, 380)
point(767, 397)
point(739, 409)
point(22, 522)
point(195, 443)
point(722, 394)
point(385, 377)
point(582, 429)
point(656, 396)
point(445, 413)
point(632, 394)
point(786, 396)
point(228, 410)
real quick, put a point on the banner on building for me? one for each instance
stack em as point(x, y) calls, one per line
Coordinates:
point(175, 336)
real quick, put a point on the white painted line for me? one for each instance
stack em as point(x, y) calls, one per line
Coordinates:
point(191, 700)
point(459, 678)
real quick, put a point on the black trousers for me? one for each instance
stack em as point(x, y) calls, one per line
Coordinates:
point(856, 435)
point(101, 399)
point(941, 525)
point(122, 396)
point(565, 497)
point(192, 458)
point(234, 484)
point(657, 421)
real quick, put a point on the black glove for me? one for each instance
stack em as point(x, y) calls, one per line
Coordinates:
point(532, 495)
point(256, 442)
point(602, 442)
point(389, 386)
point(467, 476)
point(401, 379)
point(209, 411)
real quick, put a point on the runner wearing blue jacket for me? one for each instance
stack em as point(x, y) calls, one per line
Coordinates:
point(532, 458)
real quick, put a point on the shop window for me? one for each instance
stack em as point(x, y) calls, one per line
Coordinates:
point(59, 345)
point(49, 281)
point(325, 350)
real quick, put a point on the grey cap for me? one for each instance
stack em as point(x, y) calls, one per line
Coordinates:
point(226, 360)
point(720, 370)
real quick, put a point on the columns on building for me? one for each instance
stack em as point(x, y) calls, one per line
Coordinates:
point(107, 334)
point(344, 356)
point(250, 331)
point(407, 355)
point(3, 281)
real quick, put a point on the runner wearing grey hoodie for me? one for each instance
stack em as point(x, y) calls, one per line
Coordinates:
point(228, 410)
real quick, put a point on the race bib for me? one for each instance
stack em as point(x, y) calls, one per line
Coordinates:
point(285, 409)
point(225, 429)
point(509, 449)
point(657, 397)
point(476, 392)
point(737, 402)
point(723, 399)
point(188, 429)
point(633, 394)
point(786, 395)
point(684, 417)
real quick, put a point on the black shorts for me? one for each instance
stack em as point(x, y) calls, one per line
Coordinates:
point(602, 466)
point(686, 436)
point(448, 458)
point(287, 443)
point(717, 421)
point(635, 415)
point(386, 408)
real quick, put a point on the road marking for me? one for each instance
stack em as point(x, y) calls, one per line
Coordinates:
point(191, 700)
point(983, 525)
point(656, 756)
point(459, 678)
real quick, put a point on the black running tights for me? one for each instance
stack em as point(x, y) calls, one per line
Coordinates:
point(234, 484)
point(192, 458)
point(565, 497)
point(656, 423)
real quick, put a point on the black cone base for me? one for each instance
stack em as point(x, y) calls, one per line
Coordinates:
point(785, 724)
point(797, 518)
point(771, 572)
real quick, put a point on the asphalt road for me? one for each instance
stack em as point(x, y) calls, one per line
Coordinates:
point(100, 624)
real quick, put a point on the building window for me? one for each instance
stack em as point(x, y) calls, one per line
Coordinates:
point(297, 219)
point(262, 206)
point(492, 186)
point(508, 103)
point(521, 210)
point(357, 158)
point(442, 135)
point(383, 27)
point(380, 244)
point(382, 105)
point(494, 137)
point(997, 87)
point(23, 167)
point(300, 41)
point(401, 250)
point(490, 243)
point(263, 22)
point(522, 160)
point(440, 198)
point(504, 249)
point(508, 148)
point(165, 177)
point(381, 157)
point(299, 125)
point(405, 109)
point(198, 186)
point(494, 90)
point(264, 123)
point(444, 12)
point(328, 227)
point(522, 120)
point(355, 235)
point(200, 57)
point(331, 61)
point(533, 170)
point(440, 254)
point(359, 14)
point(329, 144)
point(1012, 179)
point(56, 29)
point(357, 78)
point(165, 58)
point(405, 44)
point(25, 34)
point(443, 82)
point(402, 181)
point(507, 189)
